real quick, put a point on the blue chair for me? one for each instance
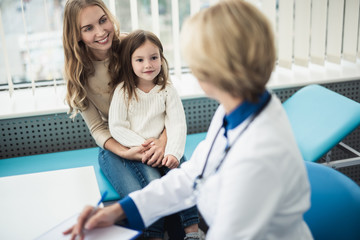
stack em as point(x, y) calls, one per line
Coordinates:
point(320, 119)
point(335, 204)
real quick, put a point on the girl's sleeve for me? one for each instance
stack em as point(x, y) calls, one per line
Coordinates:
point(175, 123)
point(118, 123)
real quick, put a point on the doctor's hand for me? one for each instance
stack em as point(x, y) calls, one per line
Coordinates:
point(170, 161)
point(103, 217)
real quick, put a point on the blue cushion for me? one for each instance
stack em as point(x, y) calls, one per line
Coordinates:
point(320, 119)
point(57, 161)
point(335, 204)
point(192, 140)
point(73, 159)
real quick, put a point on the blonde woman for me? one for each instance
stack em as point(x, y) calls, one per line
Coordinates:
point(91, 42)
point(247, 177)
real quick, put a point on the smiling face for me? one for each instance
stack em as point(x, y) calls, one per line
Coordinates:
point(146, 62)
point(96, 31)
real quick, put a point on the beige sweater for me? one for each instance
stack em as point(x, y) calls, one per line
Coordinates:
point(99, 96)
point(132, 122)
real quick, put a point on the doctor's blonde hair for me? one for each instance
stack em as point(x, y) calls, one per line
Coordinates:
point(233, 48)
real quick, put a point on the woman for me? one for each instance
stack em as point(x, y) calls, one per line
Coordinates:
point(247, 177)
point(91, 41)
point(91, 62)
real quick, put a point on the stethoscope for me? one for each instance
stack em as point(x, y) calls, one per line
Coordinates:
point(200, 179)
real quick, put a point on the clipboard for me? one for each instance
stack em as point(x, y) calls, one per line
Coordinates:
point(113, 232)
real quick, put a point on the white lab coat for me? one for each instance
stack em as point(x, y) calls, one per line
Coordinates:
point(261, 190)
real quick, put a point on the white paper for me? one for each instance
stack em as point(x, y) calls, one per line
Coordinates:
point(31, 204)
point(108, 233)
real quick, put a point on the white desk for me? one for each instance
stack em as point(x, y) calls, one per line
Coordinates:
point(31, 204)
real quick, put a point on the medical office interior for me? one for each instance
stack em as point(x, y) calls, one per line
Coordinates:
point(318, 44)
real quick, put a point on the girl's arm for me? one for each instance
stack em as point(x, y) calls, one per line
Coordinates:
point(119, 124)
point(175, 124)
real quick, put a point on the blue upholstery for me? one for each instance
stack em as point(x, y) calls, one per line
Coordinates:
point(73, 159)
point(192, 140)
point(57, 161)
point(335, 204)
point(320, 119)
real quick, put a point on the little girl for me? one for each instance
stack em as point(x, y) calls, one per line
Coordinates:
point(144, 103)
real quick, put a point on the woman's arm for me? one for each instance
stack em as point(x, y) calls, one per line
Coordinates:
point(97, 126)
point(134, 153)
point(152, 149)
point(99, 130)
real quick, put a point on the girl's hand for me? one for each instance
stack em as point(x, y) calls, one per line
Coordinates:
point(103, 217)
point(170, 161)
point(154, 155)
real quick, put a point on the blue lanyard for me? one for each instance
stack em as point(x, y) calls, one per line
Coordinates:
point(200, 177)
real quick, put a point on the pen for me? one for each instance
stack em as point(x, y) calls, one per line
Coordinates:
point(101, 200)
point(97, 206)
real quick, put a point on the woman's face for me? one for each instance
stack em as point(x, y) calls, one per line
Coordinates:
point(96, 31)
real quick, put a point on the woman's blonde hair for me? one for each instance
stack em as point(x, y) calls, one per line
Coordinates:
point(78, 64)
point(231, 46)
point(128, 46)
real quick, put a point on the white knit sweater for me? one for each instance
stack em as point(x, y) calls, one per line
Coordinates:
point(131, 123)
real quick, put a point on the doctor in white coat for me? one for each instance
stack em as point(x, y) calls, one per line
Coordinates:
point(247, 177)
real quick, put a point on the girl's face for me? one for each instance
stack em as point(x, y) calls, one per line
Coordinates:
point(146, 61)
point(96, 31)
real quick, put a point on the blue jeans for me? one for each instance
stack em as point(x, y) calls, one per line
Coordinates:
point(127, 176)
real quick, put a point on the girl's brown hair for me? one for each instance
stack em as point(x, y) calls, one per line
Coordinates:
point(78, 62)
point(128, 46)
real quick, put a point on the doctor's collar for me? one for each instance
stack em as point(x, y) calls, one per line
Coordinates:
point(242, 112)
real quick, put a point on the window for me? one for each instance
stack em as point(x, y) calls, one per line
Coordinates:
point(31, 49)
point(307, 31)
point(31, 46)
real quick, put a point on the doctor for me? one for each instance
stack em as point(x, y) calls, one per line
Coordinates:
point(247, 177)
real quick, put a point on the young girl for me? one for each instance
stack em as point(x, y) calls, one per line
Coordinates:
point(144, 102)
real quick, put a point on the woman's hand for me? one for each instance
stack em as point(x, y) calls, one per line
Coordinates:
point(103, 217)
point(155, 154)
point(135, 153)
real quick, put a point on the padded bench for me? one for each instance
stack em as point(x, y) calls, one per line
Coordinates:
point(74, 159)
